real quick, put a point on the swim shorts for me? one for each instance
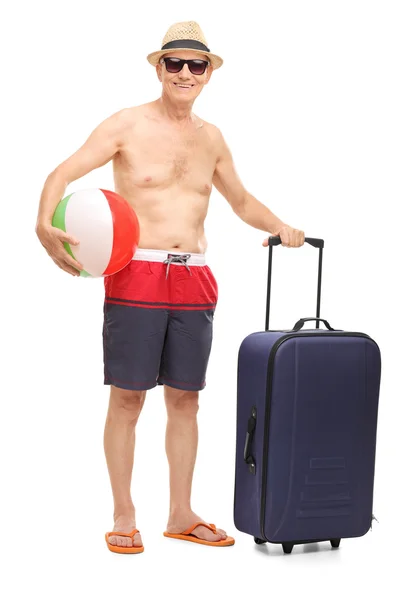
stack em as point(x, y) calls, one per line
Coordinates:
point(158, 321)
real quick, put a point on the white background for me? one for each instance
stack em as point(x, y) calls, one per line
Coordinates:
point(308, 100)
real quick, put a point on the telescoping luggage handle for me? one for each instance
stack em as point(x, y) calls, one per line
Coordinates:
point(317, 243)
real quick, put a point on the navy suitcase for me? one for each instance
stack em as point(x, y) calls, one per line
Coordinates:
point(307, 404)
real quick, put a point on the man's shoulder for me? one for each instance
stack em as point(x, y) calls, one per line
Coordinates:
point(217, 139)
point(131, 114)
point(212, 130)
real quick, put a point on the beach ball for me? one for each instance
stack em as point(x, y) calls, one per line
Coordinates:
point(106, 227)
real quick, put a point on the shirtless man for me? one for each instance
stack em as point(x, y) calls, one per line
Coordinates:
point(158, 310)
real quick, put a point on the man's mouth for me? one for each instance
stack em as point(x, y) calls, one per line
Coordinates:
point(184, 85)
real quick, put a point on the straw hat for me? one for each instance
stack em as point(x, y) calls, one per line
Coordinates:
point(186, 35)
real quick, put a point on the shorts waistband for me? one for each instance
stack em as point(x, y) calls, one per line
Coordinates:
point(194, 259)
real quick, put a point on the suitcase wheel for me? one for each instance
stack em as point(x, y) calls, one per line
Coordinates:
point(287, 547)
point(335, 543)
point(259, 541)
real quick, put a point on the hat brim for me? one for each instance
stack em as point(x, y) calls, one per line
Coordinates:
point(154, 57)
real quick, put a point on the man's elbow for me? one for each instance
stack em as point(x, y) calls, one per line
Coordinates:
point(58, 176)
point(239, 205)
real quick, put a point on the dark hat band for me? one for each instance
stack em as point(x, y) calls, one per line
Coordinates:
point(192, 44)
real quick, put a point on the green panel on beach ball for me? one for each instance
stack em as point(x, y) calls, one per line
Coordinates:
point(59, 220)
point(85, 274)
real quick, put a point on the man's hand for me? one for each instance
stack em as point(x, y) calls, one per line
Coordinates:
point(291, 238)
point(52, 239)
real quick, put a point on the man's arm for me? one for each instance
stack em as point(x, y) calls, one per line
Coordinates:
point(248, 208)
point(103, 143)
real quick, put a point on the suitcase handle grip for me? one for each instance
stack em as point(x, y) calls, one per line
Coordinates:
point(251, 425)
point(301, 322)
point(275, 240)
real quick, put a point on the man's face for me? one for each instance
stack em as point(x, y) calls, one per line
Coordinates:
point(183, 86)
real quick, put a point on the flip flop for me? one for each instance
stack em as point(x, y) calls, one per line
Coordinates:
point(123, 549)
point(188, 536)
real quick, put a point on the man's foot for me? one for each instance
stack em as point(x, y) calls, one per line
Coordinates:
point(182, 521)
point(125, 524)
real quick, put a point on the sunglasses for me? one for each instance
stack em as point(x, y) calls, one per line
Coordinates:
point(174, 65)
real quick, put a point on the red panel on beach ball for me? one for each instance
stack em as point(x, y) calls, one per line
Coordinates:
point(126, 232)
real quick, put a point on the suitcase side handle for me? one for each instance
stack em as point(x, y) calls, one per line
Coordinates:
point(275, 241)
point(251, 425)
point(301, 322)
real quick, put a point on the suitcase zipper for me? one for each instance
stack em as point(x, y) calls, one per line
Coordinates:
point(272, 355)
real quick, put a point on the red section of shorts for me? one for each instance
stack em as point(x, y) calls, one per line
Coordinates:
point(144, 283)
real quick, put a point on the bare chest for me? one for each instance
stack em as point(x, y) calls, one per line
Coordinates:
point(154, 158)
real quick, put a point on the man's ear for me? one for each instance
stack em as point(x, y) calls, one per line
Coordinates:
point(158, 69)
point(208, 74)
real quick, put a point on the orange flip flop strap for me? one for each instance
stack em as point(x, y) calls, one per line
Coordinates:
point(210, 526)
point(131, 534)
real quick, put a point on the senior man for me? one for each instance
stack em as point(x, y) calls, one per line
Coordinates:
point(159, 310)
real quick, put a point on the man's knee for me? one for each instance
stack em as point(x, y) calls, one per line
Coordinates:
point(181, 402)
point(126, 404)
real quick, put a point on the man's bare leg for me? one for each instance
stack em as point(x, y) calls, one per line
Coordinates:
point(119, 444)
point(181, 446)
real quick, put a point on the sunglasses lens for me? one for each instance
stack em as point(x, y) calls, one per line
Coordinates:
point(173, 65)
point(197, 67)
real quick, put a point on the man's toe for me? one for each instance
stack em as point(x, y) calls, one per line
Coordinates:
point(205, 534)
point(223, 533)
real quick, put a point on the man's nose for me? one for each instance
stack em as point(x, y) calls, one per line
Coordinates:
point(184, 73)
